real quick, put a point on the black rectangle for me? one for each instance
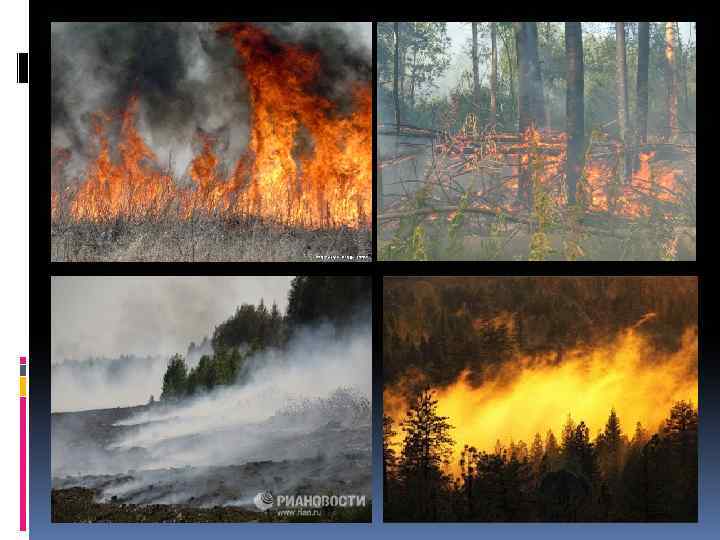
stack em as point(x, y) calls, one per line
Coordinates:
point(22, 67)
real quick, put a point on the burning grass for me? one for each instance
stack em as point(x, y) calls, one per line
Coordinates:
point(301, 189)
point(204, 238)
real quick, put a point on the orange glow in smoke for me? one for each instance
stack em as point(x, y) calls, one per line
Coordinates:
point(531, 395)
point(307, 163)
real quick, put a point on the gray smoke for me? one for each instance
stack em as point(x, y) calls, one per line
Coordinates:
point(187, 79)
point(299, 422)
point(100, 383)
point(146, 319)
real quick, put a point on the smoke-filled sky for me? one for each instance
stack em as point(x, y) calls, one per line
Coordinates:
point(460, 34)
point(578, 346)
point(186, 76)
point(111, 316)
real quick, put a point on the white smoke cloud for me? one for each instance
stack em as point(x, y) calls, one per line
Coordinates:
point(299, 420)
point(301, 380)
point(113, 316)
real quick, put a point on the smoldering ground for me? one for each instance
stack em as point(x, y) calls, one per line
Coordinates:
point(186, 76)
point(298, 423)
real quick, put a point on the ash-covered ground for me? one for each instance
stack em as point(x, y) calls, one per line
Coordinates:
point(142, 456)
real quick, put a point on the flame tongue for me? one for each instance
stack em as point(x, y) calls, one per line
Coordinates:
point(545, 153)
point(306, 163)
point(330, 181)
point(134, 186)
point(529, 395)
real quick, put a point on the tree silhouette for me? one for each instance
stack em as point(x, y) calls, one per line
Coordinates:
point(426, 451)
point(389, 456)
point(656, 477)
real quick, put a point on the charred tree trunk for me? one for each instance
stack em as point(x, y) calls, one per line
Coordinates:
point(396, 78)
point(575, 107)
point(536, 82)
point(413, 78)
point(682, 72)
point(524, 113)
point(642, 81)
point(671, 81)
point(547, 104)
point(511, 72)
point(524, 107)
point(476, 73)
point(622, 96)
point(531, 104)
point(493, 74)
point(531, 110)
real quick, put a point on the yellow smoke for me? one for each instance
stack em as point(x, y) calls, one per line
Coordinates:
point(531, 395)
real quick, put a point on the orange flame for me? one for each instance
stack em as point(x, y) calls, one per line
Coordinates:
point(545, 153)
point(307, 162)
point(531, 395)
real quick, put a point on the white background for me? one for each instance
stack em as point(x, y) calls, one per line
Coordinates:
point(14, 220)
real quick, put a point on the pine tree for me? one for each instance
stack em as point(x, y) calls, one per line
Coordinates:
point(640, 436)
point(498, 448)
point(426, 450)
point(536, 452)
point(389, 457)
point(551, 459)
point(175, 378)
point(568, 434)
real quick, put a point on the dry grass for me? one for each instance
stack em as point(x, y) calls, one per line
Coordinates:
point(204, 238)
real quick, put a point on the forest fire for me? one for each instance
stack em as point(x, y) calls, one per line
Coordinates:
point(539, 141)
point(525, 395)
point(308, 161)
point(544, 154)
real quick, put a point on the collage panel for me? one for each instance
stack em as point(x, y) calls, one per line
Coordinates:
point(540, 399)
point(211, 141)
point(178, 391)
point(528, 141)
point(211, 399)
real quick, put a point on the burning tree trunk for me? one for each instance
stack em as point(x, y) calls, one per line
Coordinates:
point(493, 73)
point(476, 74)
point(671, 81)
point(575, 108)
point(622, 96)
point(396, 78)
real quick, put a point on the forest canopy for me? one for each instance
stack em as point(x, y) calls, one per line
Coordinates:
point(339, 301)
point(427, 55)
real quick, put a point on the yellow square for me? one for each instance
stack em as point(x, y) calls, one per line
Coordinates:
point(23, 386)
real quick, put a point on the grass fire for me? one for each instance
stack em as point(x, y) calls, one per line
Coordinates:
point(272, 405)
point(228, 141)
point(536, 141)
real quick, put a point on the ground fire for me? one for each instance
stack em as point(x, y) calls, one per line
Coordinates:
point(536, 141)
